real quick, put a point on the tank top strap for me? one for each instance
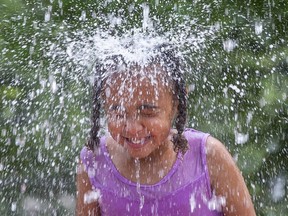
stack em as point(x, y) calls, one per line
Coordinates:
point(197, 144)
point(86, 157)
point(204, 161)
point(90, 159)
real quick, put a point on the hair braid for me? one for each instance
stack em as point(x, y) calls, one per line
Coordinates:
point(112, 63)
point(172, 64)
point(94, 140)
point(180, 142)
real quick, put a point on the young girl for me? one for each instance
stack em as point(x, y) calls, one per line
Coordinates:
point(145, 167)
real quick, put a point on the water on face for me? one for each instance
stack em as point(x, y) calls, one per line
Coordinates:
point(48, 57)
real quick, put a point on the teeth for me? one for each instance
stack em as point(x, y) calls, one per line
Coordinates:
point(138, 141)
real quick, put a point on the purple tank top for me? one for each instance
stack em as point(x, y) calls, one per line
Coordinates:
point(185, 190)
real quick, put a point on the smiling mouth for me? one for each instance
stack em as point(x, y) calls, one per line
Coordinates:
point(137, 141)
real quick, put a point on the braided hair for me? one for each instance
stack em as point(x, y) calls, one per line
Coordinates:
point(167, 58)
point(111, 64)
point(94, 140)
point(172, 64)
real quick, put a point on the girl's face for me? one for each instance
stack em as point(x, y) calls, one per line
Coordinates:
point(139, 113)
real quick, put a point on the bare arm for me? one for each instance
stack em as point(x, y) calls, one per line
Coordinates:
point(227, 181)
point(84, 208)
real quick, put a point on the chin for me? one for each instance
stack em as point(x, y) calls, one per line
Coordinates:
point(138, 154)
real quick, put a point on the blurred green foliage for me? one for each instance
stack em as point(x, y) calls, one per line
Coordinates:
point(239, 93)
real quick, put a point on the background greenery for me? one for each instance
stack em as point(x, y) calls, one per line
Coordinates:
point(238, 92)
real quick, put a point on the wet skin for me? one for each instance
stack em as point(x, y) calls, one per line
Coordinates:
point(139, 115)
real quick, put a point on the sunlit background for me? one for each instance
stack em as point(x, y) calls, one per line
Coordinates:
point(236, 55)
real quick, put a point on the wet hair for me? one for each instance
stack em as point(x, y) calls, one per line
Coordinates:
point(166, 57)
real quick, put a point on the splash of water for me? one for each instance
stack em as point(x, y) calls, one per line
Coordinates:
point(57, 99)
point(91, 196)
point(141, 197)
point(84, 48)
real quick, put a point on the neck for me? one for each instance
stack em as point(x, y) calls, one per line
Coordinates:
point(153, 168)
point(160, 156)
point(148, 170)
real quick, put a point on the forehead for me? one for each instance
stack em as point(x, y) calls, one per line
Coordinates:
point(139, 86)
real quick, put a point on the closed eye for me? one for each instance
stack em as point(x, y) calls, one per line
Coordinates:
point(148, 110)
point(116, 112)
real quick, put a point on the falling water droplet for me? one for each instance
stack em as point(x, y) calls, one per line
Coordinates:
point(138, 185)
point(13, 206)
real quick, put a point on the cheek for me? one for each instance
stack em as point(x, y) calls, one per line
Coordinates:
point(158, 126)
point(114, 126)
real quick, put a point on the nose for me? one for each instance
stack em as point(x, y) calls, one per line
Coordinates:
point(133, 126)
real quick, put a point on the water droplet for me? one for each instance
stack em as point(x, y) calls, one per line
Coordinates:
point(13, 206)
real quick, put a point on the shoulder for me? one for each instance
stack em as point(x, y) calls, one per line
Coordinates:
point(226, 179)
point(216, 152)
point(219, 160)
